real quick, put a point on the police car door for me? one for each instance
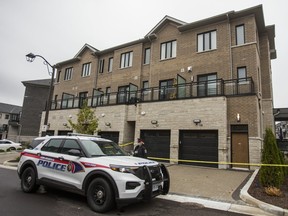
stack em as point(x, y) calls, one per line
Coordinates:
point(75, 171)
point(49, 166)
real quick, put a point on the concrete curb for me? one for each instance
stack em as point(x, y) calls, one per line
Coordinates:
point(246, 197)
point(12, 164)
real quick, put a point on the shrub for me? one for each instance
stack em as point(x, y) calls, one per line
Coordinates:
point(271, 176)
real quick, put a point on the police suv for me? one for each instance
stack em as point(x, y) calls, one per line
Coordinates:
point(94, 167)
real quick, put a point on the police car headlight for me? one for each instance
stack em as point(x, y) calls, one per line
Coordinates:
point(124, 169)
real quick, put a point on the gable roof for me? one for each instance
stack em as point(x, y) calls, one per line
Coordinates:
point(77, 57)
point(9, 108)
point(163, 22)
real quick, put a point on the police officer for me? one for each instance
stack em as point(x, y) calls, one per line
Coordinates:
point(140, 150)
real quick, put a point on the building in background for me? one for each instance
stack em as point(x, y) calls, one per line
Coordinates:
point(9, 121)
point(34, 102)
point(192, 91)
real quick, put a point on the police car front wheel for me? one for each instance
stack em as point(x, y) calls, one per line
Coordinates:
point(100, 196)
point(28, 180)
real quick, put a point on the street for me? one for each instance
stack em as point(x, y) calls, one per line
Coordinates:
point(13, 202)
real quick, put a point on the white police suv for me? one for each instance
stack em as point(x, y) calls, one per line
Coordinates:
point(92, 166)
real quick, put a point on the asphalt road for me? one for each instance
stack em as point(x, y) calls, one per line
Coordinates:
point(13, 202)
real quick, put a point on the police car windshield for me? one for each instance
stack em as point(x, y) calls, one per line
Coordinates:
point(102, 148)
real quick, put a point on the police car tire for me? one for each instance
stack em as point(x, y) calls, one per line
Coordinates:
point(100, 196)
point(28, 180)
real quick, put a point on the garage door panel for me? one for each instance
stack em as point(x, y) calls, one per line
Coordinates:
point(157, 143)
point(200, 146)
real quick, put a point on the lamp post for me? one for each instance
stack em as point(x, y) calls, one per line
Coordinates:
point(30, 58)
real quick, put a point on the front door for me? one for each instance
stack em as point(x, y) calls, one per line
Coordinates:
point(240, 150)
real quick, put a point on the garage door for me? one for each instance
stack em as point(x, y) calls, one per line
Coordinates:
point(111, 135)
point(199, 145)
point(157, 143)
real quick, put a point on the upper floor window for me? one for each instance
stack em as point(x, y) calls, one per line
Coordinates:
point(126, 60)
point(168, 50)
point(240, 34)
point(101, 66)
point(145, 84)
point(68, 73)
point(86, 69)
point(207, 41)
point(110, 64)
point(6, 116)
point(108, 90)
point(207, 85)
point(241, 74)
point(147, 56)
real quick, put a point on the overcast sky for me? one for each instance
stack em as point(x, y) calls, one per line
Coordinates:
point(58, 29)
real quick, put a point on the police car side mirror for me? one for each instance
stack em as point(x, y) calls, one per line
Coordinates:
point(74, 152)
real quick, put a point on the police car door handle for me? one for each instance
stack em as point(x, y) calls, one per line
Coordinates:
point(61, 158)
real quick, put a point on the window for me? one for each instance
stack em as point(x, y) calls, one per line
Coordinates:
point(110, 64)
point(86, 69)
point(126, 60)
point(68, 145)
point(59, 75)
point(241, 74)
point(147, 56)
point(52, 146)
point(207, 85)
point(145, 84)
point(82, 97)
point(68, 73)
point(101, 66)
point(168, 50)
point(240, 35)
point(166, 89)
point(6, 116)
point(207, 41)
point(123, 94)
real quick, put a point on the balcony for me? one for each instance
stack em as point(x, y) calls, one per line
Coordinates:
point(211, 88)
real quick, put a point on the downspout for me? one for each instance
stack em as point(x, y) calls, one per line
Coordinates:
point(230, 45)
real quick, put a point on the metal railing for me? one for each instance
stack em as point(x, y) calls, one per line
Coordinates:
point(211, 88)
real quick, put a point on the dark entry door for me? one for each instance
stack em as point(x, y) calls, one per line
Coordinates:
point(157, 143)
point(200, 146)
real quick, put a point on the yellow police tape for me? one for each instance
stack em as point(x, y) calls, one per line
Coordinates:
point(208, 162)
point(126, 144)
point(221, 162)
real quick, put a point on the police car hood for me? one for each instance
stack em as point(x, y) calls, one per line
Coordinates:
point(125, 161)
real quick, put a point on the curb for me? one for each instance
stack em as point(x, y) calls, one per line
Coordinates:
point(246, 197)
point(12, 164)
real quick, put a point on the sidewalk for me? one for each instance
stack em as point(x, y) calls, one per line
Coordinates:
point(208, 187)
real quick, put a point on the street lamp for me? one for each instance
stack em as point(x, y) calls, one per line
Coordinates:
point(30, 58)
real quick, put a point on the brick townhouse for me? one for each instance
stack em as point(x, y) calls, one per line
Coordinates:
point(193, 91)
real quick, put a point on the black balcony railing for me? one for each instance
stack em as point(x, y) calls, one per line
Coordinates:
point(191, 90)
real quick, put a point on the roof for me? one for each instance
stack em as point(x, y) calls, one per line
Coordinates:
point(9, 108)
point(77, 57)
point(257, 11)
point(42, 82)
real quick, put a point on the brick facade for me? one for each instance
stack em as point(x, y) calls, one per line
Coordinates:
point(217, 113)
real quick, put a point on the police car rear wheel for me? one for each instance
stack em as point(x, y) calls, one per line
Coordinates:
point(100, 197)
point(28, 180)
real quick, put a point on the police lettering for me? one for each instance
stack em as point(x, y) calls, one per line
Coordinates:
point(51, 165)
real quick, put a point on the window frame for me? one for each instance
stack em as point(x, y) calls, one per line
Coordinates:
point(238, 33)
point(126, 59)
point(101, 65)
point(203, 37)
point(110, 64)
point(168, 50)
point(68, 73)
point(86, 72)
point(147, 56)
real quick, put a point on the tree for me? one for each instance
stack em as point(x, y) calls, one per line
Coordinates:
point(87, 123)
point(271, 176)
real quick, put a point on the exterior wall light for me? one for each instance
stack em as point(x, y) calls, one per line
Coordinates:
point(197, 121)
point(154, 122)
point(238, 117)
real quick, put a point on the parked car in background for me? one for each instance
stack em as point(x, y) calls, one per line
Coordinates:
point(9, 145)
